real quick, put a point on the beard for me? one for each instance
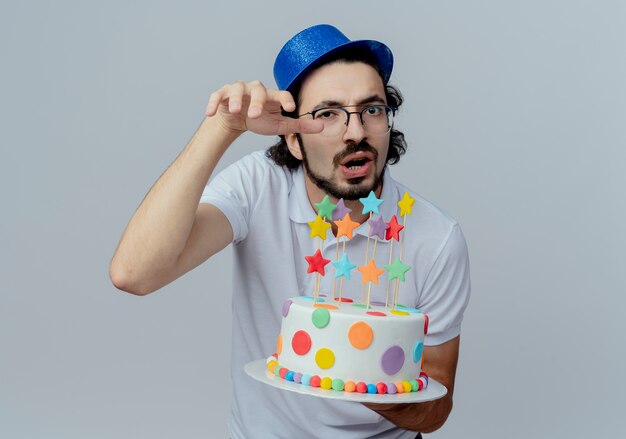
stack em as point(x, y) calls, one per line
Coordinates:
point(356, 188)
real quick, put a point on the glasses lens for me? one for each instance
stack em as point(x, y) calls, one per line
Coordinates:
point(377, 119)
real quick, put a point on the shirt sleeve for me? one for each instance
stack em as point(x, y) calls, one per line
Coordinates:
point(234, 192)
point(446, 291)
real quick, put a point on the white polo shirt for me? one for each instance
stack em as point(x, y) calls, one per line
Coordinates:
point(268, 209)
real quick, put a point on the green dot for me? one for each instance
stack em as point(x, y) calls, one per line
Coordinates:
point(414, 385)
point(321, 317)
point(359, 305)
point(338, 384)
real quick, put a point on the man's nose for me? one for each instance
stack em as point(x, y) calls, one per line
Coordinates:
point(355, 131)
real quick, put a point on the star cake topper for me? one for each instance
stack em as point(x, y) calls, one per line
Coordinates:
point(325, 208)
point(343, 266)
point(393, 229)
point(377, 226)
point(319, 227)
point(341, 210)
point(406, 204)
point(370, 272)
point(397, 270)
point(346, 226)
point(370, 203)
point(317, 263)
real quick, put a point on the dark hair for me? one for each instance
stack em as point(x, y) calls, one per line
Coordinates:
point(279, 152)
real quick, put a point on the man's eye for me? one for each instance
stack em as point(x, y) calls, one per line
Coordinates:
point(326, 114)
point(374, 111)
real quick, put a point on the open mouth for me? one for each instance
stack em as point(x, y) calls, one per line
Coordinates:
point(357, 164)
point(353, 165)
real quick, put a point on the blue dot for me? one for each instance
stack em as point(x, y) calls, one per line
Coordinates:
point(417, 351)
point(371, 388)
point(289, 376)
point(311, 298)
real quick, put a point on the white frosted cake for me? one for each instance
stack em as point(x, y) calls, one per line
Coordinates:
point(349, 347)
point(337, 344)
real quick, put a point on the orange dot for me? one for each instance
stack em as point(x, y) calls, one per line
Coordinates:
point(279, 344)
point(399, 387)
point(360, 335)
point(349, 386)
point(325, 305)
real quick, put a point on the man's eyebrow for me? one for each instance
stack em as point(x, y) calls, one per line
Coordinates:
point(368, 100)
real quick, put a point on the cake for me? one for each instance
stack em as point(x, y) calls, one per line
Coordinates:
point(348, 347)
point(335, 343)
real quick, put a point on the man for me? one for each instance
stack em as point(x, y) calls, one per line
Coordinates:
point(334, 114)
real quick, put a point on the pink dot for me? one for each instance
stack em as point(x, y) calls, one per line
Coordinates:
point(361, 387)
point(301, 342)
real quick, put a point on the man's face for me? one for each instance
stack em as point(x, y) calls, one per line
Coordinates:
point(350, 164)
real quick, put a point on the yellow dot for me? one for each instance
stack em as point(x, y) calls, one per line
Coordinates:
point(326, 383)
point(407, 386)
point(360, 335)
point(279, 344)
point(271, 366)
point(325, 358)
point(398, 312)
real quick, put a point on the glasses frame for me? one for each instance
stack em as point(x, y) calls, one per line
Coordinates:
point(388, 109)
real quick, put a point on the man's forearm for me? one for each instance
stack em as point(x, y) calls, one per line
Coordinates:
point(158, 231)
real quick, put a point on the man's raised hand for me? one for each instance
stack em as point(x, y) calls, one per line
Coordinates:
point(250, 106)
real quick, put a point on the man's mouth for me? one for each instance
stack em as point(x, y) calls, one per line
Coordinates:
point(356, 165)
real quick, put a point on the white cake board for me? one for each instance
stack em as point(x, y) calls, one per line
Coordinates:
point(258, 370)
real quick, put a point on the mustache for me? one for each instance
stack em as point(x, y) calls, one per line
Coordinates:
point(352, 148)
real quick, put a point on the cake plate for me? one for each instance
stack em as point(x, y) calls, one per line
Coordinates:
point(258, 370)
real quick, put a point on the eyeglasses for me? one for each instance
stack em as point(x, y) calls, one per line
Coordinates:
point(376, 119)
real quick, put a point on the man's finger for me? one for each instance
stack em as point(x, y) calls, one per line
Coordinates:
point(235, 97)
point(303, 126)
point(258, 98)
point(284, 97)
point(214, 102)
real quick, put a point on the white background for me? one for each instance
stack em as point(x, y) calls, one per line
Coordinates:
point(515, 117)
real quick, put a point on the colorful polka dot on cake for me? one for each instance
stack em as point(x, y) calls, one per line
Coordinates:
point(381, 388)
point(392, 360)
point(360, 335)
point(286, 306)
point(320, 317)
point(338, 384)
point(324, 358)
point(417, 351)
point(301, 343)
point(326, 383)
point(349, 386)
point(279, 344)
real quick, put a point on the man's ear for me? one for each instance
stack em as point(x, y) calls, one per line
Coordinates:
point(293, 145)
